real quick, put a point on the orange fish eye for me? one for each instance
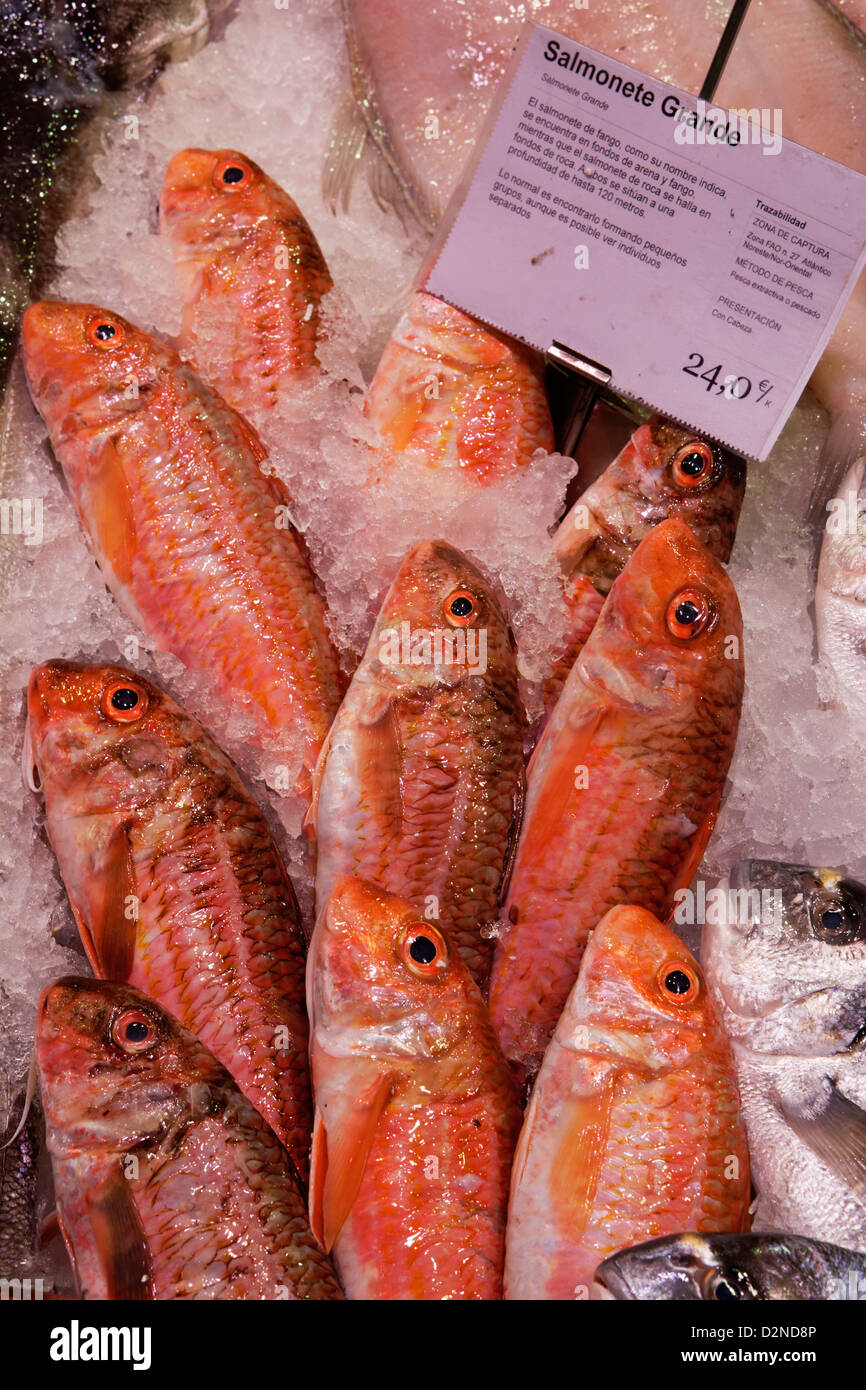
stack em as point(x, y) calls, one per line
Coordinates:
point(103, 331)
point(124, 701)
point(460, 608)
point(694, 465)
point(423, 949)
point(231, 174)
point(134, 1031)
point(679, 982)
point(688, 614)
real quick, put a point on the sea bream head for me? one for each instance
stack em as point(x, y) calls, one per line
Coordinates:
point(88, 370)
point(116, 1070)
point(664, 471)
point(670, 631)
point(440, 624)
point(785, 952)
point(729, 1268)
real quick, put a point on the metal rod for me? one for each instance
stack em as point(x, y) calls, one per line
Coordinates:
point(722, 53)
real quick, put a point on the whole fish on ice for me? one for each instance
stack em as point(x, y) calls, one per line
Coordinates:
point(252, 275)
point(626, 781)
point(840, 593)
point(664, 470)
point(787, 963)
point(420, 782)
point(633, 1128)
point(724, 1268)
point(174, 878)
point(192, 537)
point(169, 1184)
point(416, 1111)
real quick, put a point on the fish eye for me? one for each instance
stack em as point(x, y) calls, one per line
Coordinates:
point(679, 982)
point(834, 917)
point(724, 1286)
point(231, 174)
point(124, 701)
point(460, 608)
point(694, 466)
point(688, 614)
point(134, 1031)
point(104, 332)
point(423, 950)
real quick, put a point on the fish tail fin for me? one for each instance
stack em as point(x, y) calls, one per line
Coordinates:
point(845, 443)
point(346, 147)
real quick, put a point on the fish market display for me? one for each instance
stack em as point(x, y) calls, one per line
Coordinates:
point(290, 463)
point(169, 1184)
point(458, 395)
point(840, 594)
point(729, 1267)
point(787, 962)
point(192, 537)
point(663, 471)
point(251, 271)
point(174, 878)
point(416, 1113)
point(624, 786)
point(421, 779)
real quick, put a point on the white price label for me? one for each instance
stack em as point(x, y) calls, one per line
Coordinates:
point(702, 258)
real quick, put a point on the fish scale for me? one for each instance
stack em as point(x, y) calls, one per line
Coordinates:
point(185, 525)
point(215, 935)
point(619, 813)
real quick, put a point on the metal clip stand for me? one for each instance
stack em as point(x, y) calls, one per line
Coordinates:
point(574, 382)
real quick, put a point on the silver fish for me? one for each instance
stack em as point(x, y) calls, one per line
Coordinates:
point(840, 593)
point(719, 1268)
point(788, 964)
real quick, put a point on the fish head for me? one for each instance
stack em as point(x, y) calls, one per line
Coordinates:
point(211, 196)
point(384, 983)
point(640, 996)
point(785, 950)
point(718, 1268)
point(104, 740)
point(117, 1070)
point(671, 629)
point(440, 623)
point(665, 470)
point(87, 368)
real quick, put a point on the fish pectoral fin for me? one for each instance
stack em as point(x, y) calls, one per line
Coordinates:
point(561, 785)
point(119, 1239)
point(341, 1146)
point(346, 142)
point(582, 1133)
point(110, 506)
point(835, 1130)
point(113, 924)
point(517, 809)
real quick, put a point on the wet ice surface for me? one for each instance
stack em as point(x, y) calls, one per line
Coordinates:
point(270, 88)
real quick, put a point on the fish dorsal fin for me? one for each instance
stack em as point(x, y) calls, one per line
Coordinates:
point(342, 1140)
point(112, 927)
point(346, 142)
point(119, 1238)
point(835, 1130)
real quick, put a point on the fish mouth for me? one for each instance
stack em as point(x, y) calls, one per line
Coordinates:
point(609, 1286)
